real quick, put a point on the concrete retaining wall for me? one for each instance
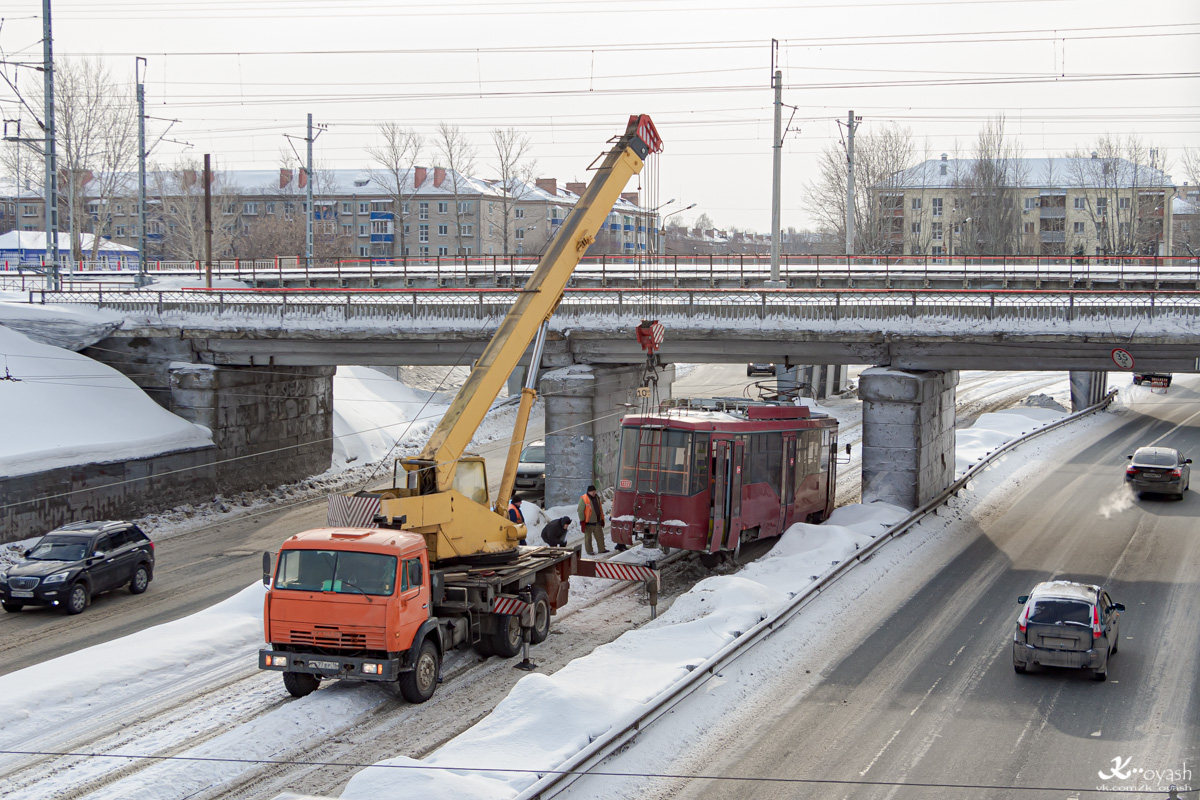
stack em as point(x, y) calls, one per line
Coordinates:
point(41, 501)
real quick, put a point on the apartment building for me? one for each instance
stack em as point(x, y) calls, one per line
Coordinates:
point(1033, 206)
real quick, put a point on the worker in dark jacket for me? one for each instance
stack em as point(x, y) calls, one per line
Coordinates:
point(515, 516)
point(555, 532)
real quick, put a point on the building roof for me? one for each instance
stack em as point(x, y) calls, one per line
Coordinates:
point(36, 240)
point(1182, 206)
point(1036, 173)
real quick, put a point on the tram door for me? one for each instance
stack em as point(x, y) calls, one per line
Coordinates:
point(720, 495)
point(735, 495)
point(788, 485)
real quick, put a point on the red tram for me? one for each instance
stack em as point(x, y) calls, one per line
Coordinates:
point(707, 475)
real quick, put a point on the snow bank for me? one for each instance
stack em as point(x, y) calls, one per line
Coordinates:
point(373, 413)
point(995, 429)
point(71, 327)
point(63, 409)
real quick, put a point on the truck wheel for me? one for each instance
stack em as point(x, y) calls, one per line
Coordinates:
point(300, 684)
point(541, 616)
point(506, 641)
point(77, 599)
point(418, 684)
point(484, 646)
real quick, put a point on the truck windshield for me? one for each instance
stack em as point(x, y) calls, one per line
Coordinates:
point(336, 571)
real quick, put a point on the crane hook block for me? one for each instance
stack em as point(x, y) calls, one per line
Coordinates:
point(650, 334)
point(641, 127)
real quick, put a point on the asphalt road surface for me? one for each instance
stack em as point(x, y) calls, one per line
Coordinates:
point(928, 695)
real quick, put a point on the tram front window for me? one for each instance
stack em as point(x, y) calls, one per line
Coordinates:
point(655, 461)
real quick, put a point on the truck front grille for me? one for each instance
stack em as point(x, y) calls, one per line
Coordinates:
point(344, 638)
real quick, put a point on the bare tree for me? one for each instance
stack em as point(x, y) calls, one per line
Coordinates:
point(881, 160)
point(1127, 194)
point(395, 157)
point(180, 189)
point(459, 156)
point(517, 172)
point(987, 192)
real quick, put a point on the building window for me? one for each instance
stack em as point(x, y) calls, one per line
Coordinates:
point(520, 213)
point(466, 207)
point(937, 208)
point(364, 250)
point(381, 226)
point(466, 230)
point(1123, 203)
point(231, 208)
point(289, 209)
point(443, 250)
point(120, 230)
point(364, 207)
point(443, 206)
point(936, 251)
point(31, 211)
point(466, 250)
point(364, 229)
point(423, 235)
point(1031, 203)
point(347, 229)
point(422, 210)
point(520, 233)
point(1029, 228)
point(1078, 228)
point(1123, 229)
point(1080, 203)
point(936, 230)
point(443, 229)
point(270, 208)
point(423, 250)
point(347, 207)
point(1101, 206)
point(119, 211)
point(916, 204)
point(250, 209)
point(404, 207)
point(916, 229)
point(381, 205)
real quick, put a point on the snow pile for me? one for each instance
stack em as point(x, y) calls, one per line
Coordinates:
point(373, 413)
point(993, 430)
point(555, 716)
point(62, 409)
point(72, 327)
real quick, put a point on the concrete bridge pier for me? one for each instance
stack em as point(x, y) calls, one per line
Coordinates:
point(908, 434)
point(1087, 388)
point(584, 407)
point(825, 380)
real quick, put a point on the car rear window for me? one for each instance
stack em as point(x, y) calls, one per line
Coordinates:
point(1154, 458)
point(1050, 611)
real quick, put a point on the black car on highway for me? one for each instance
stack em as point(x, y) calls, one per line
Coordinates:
point(1067, 624)
point(71, 564)
point(1162, 470)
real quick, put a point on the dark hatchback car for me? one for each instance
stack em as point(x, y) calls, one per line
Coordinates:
point(71, 564)
point(531, 471)
point(759, 368)
point(1162, 470)
point(1067, 624)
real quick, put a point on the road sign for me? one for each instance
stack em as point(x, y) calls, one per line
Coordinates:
point(1122, 358)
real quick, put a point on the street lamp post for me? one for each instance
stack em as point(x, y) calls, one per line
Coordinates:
point(662, 236)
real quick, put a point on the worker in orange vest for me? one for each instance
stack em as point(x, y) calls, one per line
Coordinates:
point(591, 519)
point(514, 514)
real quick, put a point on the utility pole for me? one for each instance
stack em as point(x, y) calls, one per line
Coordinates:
point(207, 222)
point(139, 69)
point(308, 227)
point(851, 125)
point(777, 163)
point(51, 194)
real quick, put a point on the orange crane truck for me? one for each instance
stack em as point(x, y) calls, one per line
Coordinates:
point(408, 572)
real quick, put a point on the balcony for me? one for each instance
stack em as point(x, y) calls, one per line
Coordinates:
point(1056, 212)
point(1054, 236)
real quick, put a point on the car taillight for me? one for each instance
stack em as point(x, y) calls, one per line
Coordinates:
point(1095, 622)
point(1177, 473)
point(1021, 620)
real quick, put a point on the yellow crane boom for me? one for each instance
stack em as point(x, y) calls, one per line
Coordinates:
point(446, 497)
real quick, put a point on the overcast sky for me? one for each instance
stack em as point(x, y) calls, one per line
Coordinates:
point(239, 74)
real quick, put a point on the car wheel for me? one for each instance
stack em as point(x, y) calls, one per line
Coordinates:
point(541, 616)
point(77, 599)
point(12, 606)
point(300, 684)
point(1100, 674)
point(417, 685)
point(749, 372)
point(506, 642)
point(1018, 668)
point(1116, 644)
point(140, 580)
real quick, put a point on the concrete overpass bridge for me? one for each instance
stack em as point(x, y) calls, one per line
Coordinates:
point(202, 353)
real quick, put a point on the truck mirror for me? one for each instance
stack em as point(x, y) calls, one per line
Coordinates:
point(266, 569)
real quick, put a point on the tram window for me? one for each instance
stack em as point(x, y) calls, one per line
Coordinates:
point(700, 463)
point(673, 464)
point(654, 461)
point(627, 469)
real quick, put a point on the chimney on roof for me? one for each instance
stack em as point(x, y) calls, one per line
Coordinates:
point(943, 156)
point(418, 177)
point(577, 188)
point(285, 177)
point(439, 177)
point(303, 178)
point(548, 185)
point(630, 196)
point(1093, 154)
point(189, 178)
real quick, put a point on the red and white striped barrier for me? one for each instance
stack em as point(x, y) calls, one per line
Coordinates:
point(508, 605)
point(615, 570)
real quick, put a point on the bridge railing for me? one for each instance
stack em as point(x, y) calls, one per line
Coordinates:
point(437, 307)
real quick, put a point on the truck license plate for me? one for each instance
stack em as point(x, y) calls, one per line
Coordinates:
point(331, 665)
point(16, 593)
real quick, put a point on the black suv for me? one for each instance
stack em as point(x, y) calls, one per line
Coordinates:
point(70, 564)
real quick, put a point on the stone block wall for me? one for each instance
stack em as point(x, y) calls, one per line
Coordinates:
point(908, 434)
point(41, 501)
point(270, 425)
